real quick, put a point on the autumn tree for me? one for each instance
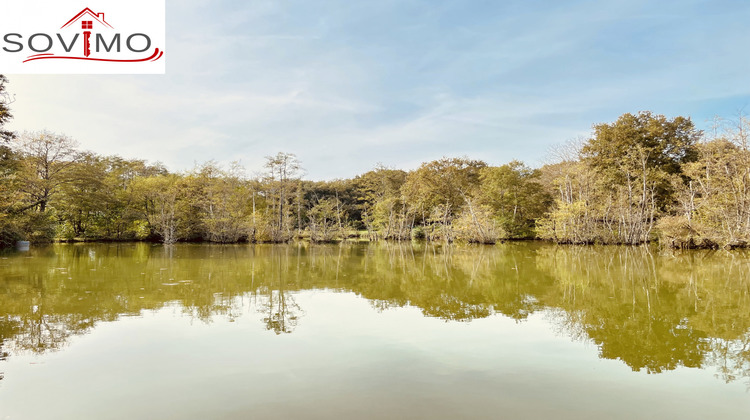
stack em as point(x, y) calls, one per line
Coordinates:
point(46, 162)
point(324, 221)
point(639, 157)
point(223, 201)
point(624, 148)
point(282, 176)
point(625, 180)
point(83, 198)
point(381, 203)
point(712, 208)
point(9, 189)
point(438, 190)
point(5, 115)
point(515, 197)
point(158, 201)
point(122, 218)
point(571, 218)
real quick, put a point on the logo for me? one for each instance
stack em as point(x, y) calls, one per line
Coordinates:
point(105, 37)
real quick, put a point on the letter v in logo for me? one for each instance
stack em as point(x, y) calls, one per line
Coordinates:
point(66, 47)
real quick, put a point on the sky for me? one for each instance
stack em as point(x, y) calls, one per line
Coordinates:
point(349, 84)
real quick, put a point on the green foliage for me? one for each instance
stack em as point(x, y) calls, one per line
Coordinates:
point(5, 115)
point(567, 223)
point(46, 166)
point(682, 233)
point(381, 205)
point(418, 234)
point(36, 227)
point(478, 224)
point(515, 197)
point(158, 200)
point(221, 198)
point(9, 232)
point(441, 187)
point(627, 176)
point(325, 221)
point(714, 202)
point(634, 142)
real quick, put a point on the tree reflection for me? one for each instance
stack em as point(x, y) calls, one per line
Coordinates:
point(9, 328)
point(281, 310)
point(731, 357)
point(651, 311)
point(654, 312)
point(3, 356)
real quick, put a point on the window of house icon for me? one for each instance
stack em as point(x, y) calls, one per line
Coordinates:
point(87, 24)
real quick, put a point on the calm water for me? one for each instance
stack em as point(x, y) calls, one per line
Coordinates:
point(517, 331)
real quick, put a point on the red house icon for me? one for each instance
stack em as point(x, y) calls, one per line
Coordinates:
point(87, 13)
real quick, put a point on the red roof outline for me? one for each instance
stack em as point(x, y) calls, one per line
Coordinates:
point(91, 13)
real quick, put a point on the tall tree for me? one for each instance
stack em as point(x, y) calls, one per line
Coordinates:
point(84, 199)
point(644, 147)
point(46, 159)
point(159, 201)
point(9, 165)
point(5, 115)
point(8, 161)
point(283, 173)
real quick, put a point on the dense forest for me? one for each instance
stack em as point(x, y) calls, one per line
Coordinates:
point(640, 179)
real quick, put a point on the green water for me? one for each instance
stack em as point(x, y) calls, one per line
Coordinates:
point(516, 331)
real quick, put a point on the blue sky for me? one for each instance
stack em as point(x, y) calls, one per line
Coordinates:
point(349, 84)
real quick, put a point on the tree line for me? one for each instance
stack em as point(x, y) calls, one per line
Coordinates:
point(642, 178)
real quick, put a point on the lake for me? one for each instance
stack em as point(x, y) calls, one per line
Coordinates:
point(372, 331)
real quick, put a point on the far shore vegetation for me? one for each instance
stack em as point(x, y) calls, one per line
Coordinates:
point(643, 178)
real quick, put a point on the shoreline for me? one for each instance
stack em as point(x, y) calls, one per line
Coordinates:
point(365, 240)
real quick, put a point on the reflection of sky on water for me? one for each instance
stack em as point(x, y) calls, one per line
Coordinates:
point(346, 359)
point(529, 330)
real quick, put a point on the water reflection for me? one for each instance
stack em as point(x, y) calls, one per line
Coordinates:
point(652, 310)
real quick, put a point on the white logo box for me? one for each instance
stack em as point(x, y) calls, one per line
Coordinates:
point(95, 37)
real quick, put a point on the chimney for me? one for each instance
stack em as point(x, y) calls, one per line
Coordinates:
point(100, 16)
